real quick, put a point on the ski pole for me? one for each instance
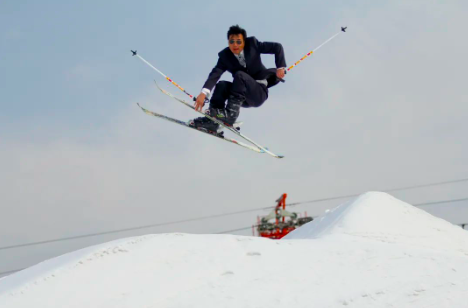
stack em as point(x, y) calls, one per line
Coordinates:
point(134, 52)
point(343, 29)
point(168, 79)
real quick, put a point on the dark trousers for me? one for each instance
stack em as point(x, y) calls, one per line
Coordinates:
point(243, 86)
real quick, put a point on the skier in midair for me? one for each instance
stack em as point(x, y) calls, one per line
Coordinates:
point(251, 79)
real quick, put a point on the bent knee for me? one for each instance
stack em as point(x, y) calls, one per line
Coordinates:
point(240, 74)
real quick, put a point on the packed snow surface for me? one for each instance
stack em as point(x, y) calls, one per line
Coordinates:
point(374, 251)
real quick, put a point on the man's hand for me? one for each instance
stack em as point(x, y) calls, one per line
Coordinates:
point(200, 102)
point(280, 73)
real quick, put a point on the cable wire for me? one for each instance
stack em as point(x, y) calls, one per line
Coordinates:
point(126, 229)
point(439, 202)
point(216, 216)
point(385, 190)
point(419, 204)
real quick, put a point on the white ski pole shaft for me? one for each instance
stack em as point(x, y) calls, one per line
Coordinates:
point(168, 79)
point(343, 29)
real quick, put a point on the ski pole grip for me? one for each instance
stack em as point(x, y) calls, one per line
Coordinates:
point(207, 101)
point(285, 72)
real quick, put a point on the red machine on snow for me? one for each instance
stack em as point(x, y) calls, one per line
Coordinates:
point(284, 223)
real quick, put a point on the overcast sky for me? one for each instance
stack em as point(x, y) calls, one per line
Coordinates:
point(382, 106)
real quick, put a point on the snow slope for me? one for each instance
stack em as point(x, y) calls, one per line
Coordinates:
point(374, 251)
point(379, 216)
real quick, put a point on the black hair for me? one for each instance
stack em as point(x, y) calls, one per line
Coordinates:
point(236, 30)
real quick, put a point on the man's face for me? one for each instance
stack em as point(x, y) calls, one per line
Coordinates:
point(234, 40)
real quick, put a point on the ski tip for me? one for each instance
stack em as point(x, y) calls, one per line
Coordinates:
point(267, 150)
point(273, 154)
point(157, 85)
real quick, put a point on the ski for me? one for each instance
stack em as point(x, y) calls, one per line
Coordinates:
point(161, 116)
point(232, 129)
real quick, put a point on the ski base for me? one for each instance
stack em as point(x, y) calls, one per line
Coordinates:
point(214, 134)
point(232, 129)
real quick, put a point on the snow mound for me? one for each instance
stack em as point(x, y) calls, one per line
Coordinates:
point(380, 216)
point(364, 254)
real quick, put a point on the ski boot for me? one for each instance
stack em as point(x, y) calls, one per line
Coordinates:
point(232, 111)
point(228, 116)
point(203, 123)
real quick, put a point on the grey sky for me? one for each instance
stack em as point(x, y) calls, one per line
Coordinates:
point(381, 106)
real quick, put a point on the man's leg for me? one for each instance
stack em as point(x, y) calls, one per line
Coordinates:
point(245, 87)
point(220, 94)
point(245, 92)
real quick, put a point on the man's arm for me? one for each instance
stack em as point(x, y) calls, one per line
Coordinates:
point(275, 49)
point(213, 78)
point(214, 75)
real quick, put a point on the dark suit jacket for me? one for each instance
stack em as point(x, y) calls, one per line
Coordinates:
point(255, 68)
